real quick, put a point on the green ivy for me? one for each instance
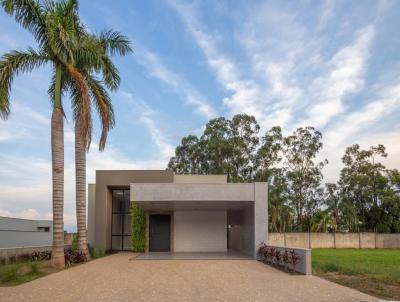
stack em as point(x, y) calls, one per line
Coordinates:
point(138, 229)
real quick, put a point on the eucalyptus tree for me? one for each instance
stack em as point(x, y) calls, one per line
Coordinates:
point(227, 146)
point(303, 173)
point(364, 182)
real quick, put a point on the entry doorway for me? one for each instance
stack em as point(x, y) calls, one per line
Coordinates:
point(159, 233)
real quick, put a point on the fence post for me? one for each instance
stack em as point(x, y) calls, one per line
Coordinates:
point(375, 238)
point(309, 239)
point(334, 239)
point(359, 240)
point(284, 239)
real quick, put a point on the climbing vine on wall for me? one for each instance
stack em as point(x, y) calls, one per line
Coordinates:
point(138, 229)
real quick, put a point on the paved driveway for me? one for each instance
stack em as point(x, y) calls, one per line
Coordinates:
point(116, 278)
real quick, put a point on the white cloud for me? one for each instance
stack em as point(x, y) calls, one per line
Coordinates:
point(358, 127)
point(326, 15)
point(345, 75)
point(157, 69)
point(243, 91)
point(149, 118)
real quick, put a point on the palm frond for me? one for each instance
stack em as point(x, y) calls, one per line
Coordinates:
point(114, 42)
point(28, 13)
point(102, 101)
point(110, 73)
point(11, 65)
point(80, 91)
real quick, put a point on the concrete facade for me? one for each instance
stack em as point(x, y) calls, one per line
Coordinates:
point(18, 233)
point(101, 203)
point(207, 213)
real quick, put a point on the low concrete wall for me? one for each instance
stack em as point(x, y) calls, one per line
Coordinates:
point(14, 254)
point(305, 265)
point(338, 240)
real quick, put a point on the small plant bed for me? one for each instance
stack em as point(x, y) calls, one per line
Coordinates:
point(37, 264)
point(375, 272)
point(18, 273)
point(285, 260)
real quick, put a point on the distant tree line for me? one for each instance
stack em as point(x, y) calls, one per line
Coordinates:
point(365, 198)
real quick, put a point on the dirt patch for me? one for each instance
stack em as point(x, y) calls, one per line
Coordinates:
point(377, 288)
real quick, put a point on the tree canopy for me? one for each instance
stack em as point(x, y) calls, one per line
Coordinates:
point(365, 198)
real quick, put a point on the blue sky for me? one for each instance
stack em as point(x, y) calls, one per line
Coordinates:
point(334, 65)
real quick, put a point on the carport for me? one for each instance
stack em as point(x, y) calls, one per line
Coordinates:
point(202, 220)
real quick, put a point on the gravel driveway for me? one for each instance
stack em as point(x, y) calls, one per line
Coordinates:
point(116, 278)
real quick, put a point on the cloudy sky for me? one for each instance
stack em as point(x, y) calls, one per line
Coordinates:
point(334, 65)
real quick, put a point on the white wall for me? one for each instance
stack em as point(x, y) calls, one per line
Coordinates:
point(15, 232)
point(200, 231)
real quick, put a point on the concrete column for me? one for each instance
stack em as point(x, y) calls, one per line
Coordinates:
point(91, 214)
point(260, 215)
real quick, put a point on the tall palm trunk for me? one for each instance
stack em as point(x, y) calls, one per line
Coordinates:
point(57, 152)
point(80, 183)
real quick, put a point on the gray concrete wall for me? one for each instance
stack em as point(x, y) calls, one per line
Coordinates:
point(338, 240)
point(91, 213)
point(106, 180)
point(260, 215)
point(300, 240)
point(15, 232)
point(200, 231)
point(201, 179)
point(6, 254)
point(305, 265)
point(388, 241)
point(192, 192)
point(247, 234)
point(347, 241)
point(322, 240)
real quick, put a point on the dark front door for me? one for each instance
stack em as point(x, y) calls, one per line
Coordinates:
point(159, 233)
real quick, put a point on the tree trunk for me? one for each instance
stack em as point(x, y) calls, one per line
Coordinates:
point(80, 182)
point(57, 146)
point(57, 153)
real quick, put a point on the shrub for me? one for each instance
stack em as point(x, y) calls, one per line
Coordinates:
point(34, 267)
point(40, 256)
point(294, 259)
point(283, 259)
point(72, 257)
point(10, 273)
point(138, 228)
point(74, 243)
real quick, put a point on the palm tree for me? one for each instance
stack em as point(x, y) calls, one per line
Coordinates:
point(56, 28)
point(105, 45)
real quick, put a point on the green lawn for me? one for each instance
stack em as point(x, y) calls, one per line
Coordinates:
point(376, 272)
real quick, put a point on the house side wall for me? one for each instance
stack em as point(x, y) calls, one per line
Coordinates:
point(200, 231)
point(260, 215)
point(91, 213)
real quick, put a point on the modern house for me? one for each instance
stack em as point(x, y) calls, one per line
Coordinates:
point(17, 233)
point(185, 213)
